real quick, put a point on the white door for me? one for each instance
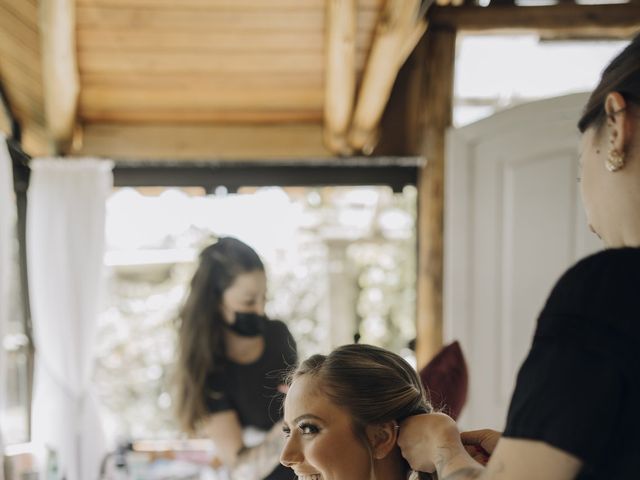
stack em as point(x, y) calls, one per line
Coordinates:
point(513, 223)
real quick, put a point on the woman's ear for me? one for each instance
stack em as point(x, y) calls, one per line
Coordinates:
point(618, 123)
point(382, 438)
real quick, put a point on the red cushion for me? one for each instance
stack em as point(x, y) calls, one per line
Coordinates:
point(447, 380)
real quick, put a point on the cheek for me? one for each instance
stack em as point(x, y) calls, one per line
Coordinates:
point(589, 183)
point(339, 457)
point(227, 310)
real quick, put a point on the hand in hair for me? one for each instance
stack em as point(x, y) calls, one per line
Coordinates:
point(431, 442)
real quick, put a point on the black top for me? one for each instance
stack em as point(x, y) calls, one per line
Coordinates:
point(252, 389)
point(579, 388)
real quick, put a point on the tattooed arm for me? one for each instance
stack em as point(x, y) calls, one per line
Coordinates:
point(244, 463)
point(432, 443)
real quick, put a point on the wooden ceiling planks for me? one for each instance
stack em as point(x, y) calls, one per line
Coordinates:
point(254, 61)
point(203, 142)
point(226, 4)
point(264, 19)
point(196, 62)
point(228, 98)
point(21, 69)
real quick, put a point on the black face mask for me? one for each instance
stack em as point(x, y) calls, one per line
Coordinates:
point(248, 324)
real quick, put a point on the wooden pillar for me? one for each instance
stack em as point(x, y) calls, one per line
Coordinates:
point(60, 71)
point(437, 102)
point(340, 73)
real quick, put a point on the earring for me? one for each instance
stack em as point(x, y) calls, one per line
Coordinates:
point(615, 160)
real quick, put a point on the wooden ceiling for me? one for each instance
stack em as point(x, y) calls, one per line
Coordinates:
point(208, 78)
point(223, 61)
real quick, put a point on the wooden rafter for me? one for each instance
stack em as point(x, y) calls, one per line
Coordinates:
point(616, 20)
point(340, 73)
point(400, 26)
point(59, 70)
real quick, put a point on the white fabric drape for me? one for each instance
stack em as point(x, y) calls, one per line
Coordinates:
point(7, 224)
point(65, 247)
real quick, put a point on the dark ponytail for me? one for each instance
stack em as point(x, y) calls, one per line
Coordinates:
point(622, 76)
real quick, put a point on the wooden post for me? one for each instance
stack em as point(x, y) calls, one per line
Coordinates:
point(437, 105)
point(340, 73)
point(399, 28)
point(59, 70)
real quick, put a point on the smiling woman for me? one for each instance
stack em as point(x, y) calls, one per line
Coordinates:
point(342, 413)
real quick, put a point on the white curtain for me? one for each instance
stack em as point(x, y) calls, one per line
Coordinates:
point(7, 224)
point(65, 247)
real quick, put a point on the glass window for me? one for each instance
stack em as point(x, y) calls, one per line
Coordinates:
point(494, 72)
point(340, 261)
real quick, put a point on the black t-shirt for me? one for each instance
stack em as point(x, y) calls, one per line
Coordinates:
point(579, 388)
point(252, 389)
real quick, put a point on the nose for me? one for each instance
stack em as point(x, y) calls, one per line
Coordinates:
point(291, 454)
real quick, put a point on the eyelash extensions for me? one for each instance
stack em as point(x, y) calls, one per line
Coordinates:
point(305, 429)
point(308, 429)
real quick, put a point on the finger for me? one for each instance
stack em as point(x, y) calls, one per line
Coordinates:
point(481, 459)
point(474, 437)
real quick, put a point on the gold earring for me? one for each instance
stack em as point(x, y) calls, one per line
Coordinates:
point(615, 160)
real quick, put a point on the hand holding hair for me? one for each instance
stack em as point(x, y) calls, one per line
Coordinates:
point(431, 443)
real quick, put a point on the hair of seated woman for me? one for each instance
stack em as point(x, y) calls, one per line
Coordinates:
point(373, 384)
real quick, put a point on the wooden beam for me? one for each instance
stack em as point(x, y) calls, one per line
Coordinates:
point(437, 104)
point(400, 27)
point(618, 20)
point(340, 73)
point(202, 142)
point(60, 70)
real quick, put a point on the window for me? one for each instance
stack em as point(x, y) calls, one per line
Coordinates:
point(494, 72)
point(339, 260)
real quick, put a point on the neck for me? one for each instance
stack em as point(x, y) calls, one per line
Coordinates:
point(627, 236)
point(243, 349)
point(391, 467)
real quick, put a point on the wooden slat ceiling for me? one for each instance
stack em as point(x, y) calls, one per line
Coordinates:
point(220, 61)
point(20, 65)
point(257, 66)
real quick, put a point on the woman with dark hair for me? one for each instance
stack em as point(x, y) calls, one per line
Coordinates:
point(231, 361)
point(342, 411)
point(574, 412)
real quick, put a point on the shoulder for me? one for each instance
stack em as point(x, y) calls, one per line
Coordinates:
point(277, 326)
point(277, 333)
point(603, 285)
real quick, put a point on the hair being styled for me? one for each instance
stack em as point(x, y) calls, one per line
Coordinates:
point(622, 75)
point(374, 385)
point(201, 348)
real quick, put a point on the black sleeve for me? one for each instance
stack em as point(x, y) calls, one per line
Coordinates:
point(567, 396)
